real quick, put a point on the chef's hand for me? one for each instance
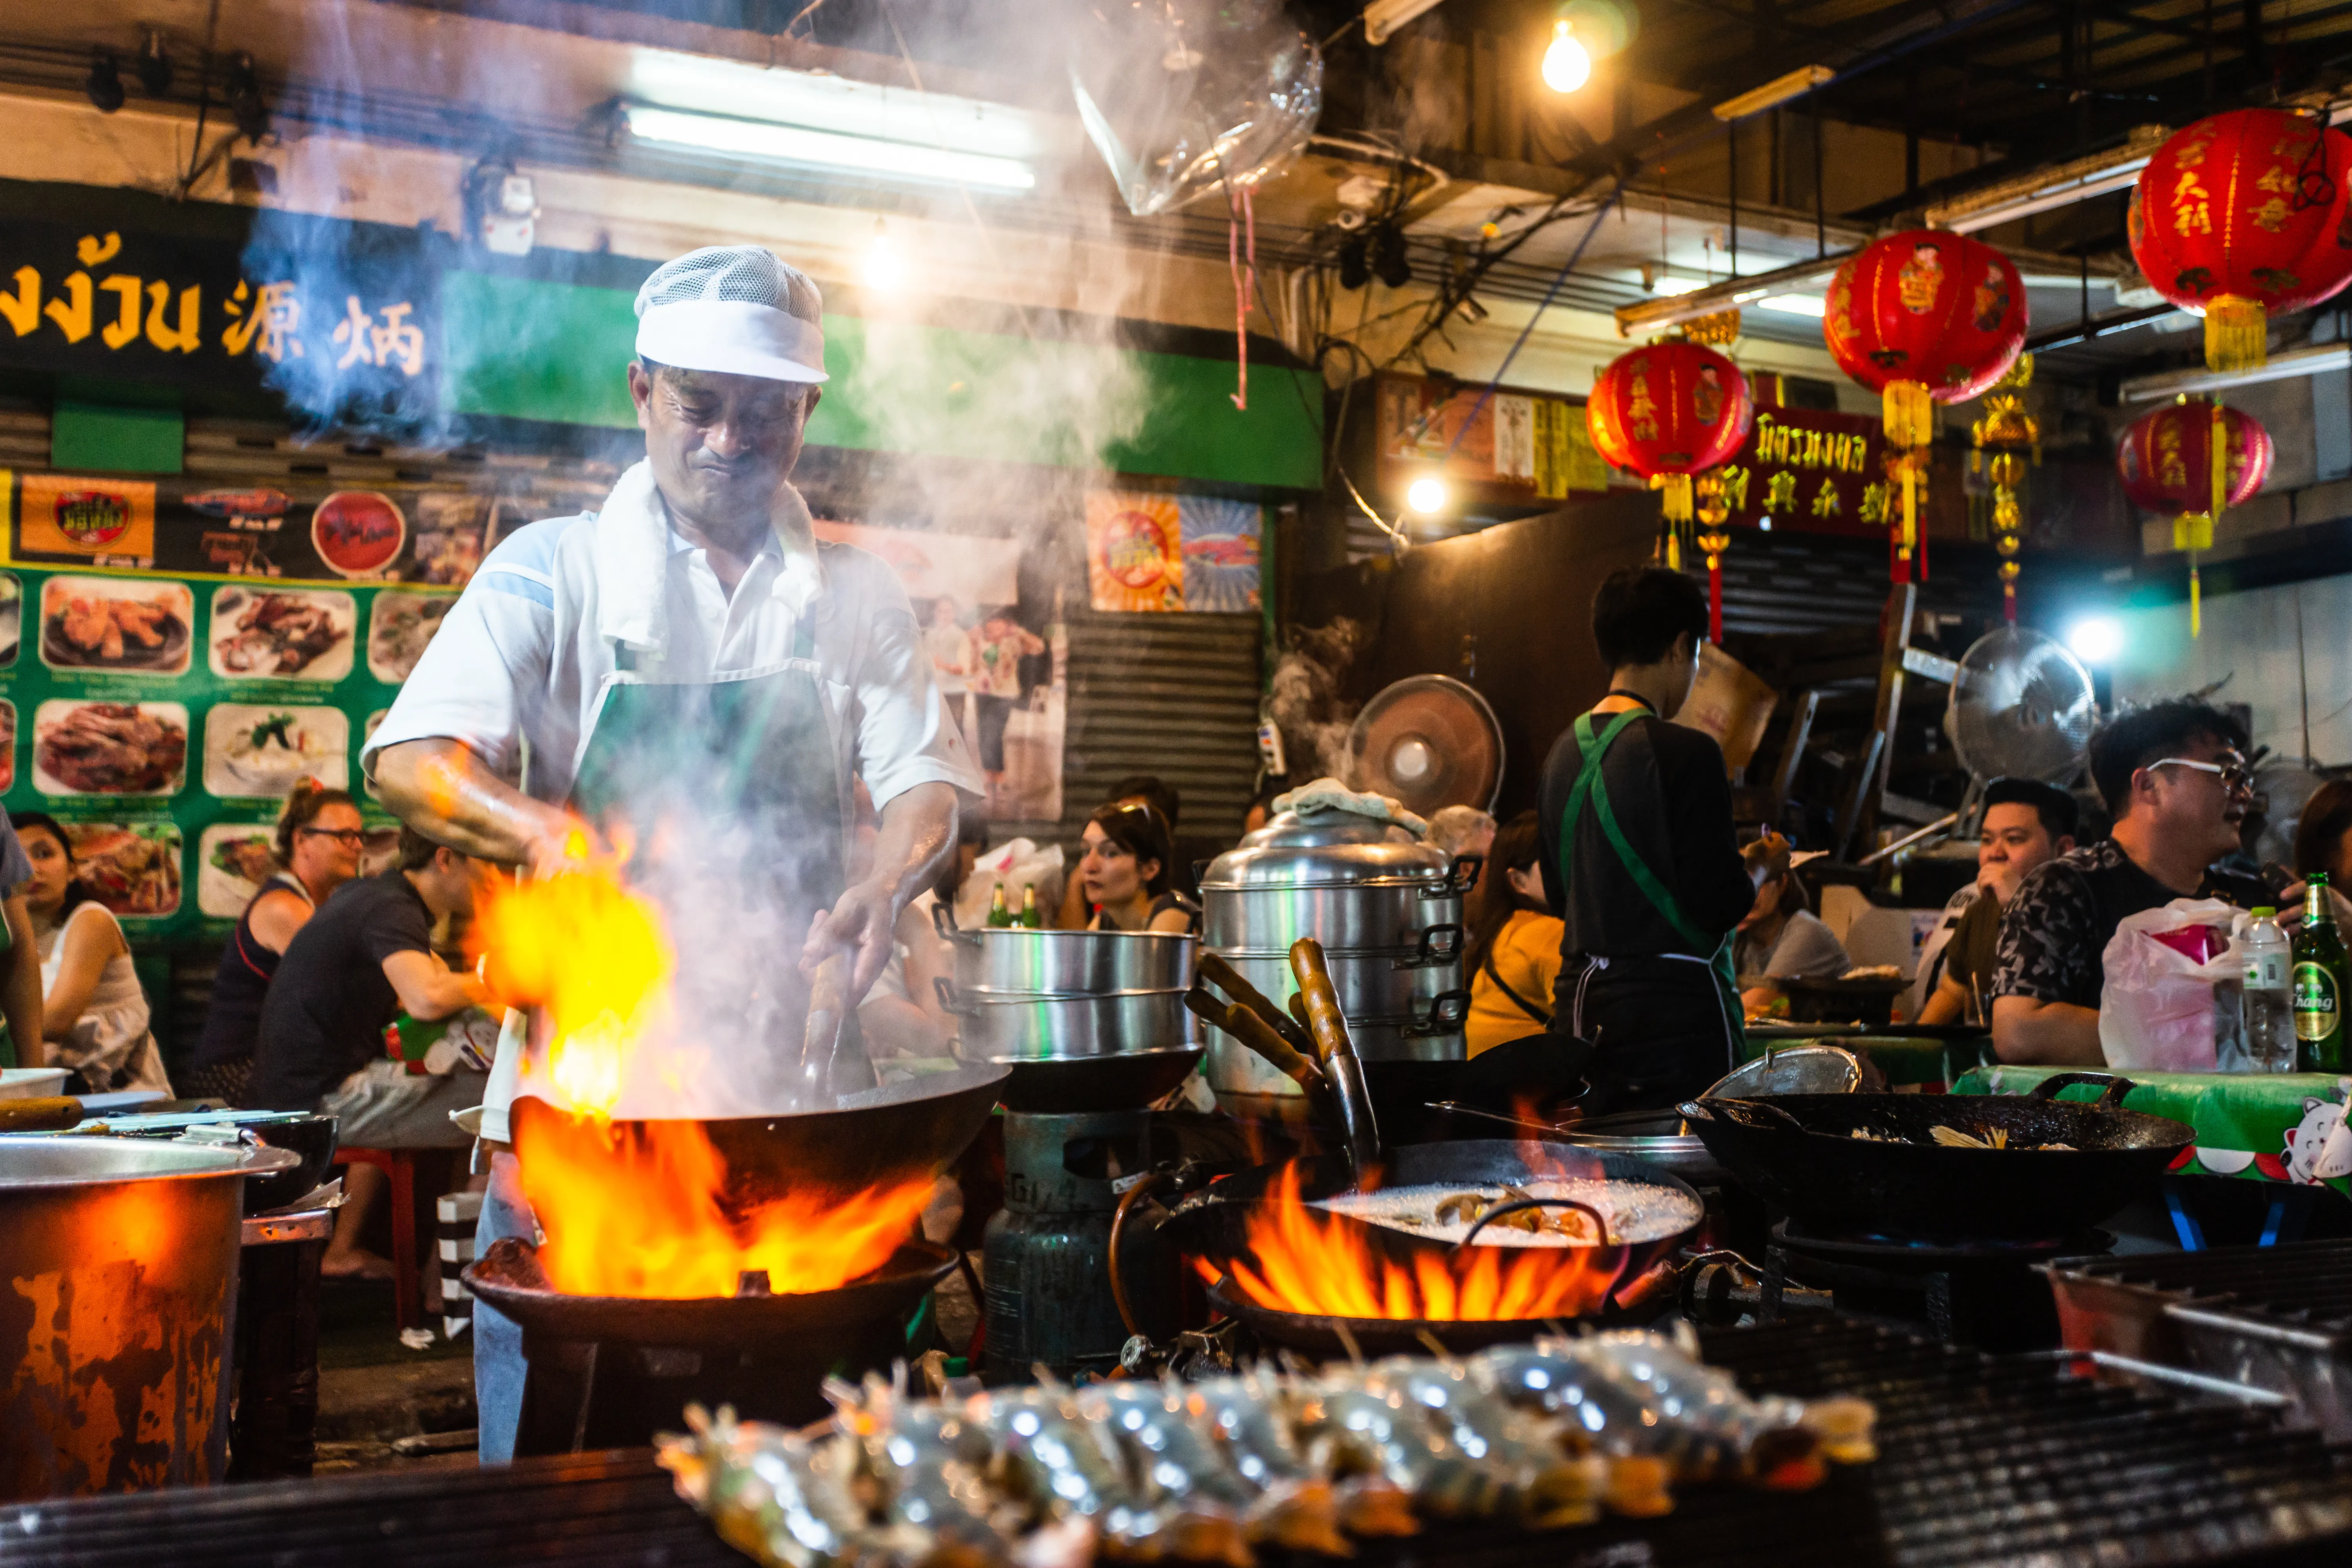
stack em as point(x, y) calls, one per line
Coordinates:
point(861, 924)
point(564, 843)
point(1767, 858)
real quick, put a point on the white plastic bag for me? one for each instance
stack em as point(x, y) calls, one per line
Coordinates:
point(2157, 1011)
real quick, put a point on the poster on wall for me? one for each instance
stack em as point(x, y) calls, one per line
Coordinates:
point(1002, 679)
point(1503, 446)
point(1155, 551)
point(164, 712)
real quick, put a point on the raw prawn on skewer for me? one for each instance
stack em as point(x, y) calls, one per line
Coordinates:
point(1179, 1467)
point(1547, 1487)
point(924, 1472)
point(1294, 1507)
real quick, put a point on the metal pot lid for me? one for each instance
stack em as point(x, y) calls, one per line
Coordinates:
point(37, 1163)
point(1326, 849)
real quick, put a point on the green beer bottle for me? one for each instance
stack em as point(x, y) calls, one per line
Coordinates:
point(2318, 983)
point(999, 916)
point(1028, 920)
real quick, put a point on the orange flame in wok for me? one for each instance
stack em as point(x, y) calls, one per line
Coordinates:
point(640, 1209)
point(646, 1208)
point(1309, 1260)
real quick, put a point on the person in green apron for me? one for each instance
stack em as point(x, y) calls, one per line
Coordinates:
point(1642, 862)
point(690, 671)
point(20, 964)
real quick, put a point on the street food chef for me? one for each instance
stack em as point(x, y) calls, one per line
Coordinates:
point(690, 670)
point(1641, 859)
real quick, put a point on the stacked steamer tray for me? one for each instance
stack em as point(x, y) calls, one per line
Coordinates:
point(1387, 909)
point(1093, 1028)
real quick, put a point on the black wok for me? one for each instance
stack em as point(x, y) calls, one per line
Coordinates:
point(877, 1137)
point(1798, 1153)
point(1214, 1224)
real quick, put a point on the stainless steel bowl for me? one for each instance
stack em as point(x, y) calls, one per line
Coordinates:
point(999, 1027)
point(1794, 1069)
point(1024, 963)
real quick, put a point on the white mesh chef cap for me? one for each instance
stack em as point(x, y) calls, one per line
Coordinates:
point(734, 309)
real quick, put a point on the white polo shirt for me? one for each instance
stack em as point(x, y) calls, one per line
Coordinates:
point(519, 666)
point(520, 660)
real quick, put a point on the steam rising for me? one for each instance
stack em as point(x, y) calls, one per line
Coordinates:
point(1311, 699)
point(1008, 436)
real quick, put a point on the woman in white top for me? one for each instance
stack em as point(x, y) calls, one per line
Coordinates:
point(93, 1015)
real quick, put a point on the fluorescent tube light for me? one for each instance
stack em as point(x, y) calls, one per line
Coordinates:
point(2320, 360)
point(821, 101)
point(1779, 90)
point(825, 149)
point(1667, 287)
point(1811, 305)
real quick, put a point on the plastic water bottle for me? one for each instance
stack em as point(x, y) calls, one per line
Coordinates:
point(2268, 1000)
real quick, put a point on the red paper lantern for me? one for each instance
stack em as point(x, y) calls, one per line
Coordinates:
point(2165, 460)
point(1669, 411)
point(2241, 216)
point(1921, 316)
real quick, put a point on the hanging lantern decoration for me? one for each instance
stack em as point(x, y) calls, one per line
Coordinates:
point(1921, 317)
point(2240, 217)
point(1667, 412)
point(2165, 460)
point(1714, 509)
point(2006, 429)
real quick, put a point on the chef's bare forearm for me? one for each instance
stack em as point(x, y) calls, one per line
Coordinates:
point(441, 788)
point(2031, 1032)
point(918, 828)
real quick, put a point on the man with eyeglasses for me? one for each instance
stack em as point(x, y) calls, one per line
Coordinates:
point(2174, 776)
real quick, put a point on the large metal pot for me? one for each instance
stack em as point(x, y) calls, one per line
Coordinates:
point(1387, 909)
point(117, 1274)
point(1064, 962)
point(999, 1027)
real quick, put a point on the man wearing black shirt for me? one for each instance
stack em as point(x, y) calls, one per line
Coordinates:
point(2174, 776)
point(363, 959)
point(1640, 859)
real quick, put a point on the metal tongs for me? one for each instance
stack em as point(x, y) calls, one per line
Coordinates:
point(1309, 1044)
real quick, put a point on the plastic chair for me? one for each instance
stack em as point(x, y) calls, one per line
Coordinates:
point(399, 1166)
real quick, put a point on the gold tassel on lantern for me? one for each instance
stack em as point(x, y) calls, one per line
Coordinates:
point(2237, 333)
point(2007, 428)
point(1909, 412)
point(2008, 525)
point(2193, 530)
point(1713, 511)
point(1677, 495)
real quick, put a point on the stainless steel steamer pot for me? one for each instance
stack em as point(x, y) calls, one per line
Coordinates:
point(1387, 907)
point(1023, 995)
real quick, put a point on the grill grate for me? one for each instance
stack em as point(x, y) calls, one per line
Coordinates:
point(2306, 1284)
point(1982, 1461)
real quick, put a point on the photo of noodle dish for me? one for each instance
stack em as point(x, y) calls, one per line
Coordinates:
point(281, 634)
point(1636, 1212)
point(109, 748)
point(253, 749)
point(400, 625)
point(233, 860)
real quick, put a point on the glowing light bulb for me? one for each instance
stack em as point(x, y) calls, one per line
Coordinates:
point(1426, 495)
point(2096, 639)
point(884, 266)
point(1566, 65)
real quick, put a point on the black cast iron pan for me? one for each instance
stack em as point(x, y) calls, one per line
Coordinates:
point(876, 1137)
point(1798, 1153)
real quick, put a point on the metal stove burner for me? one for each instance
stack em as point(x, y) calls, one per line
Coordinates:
point(1981, 1293)
point(609, 1371)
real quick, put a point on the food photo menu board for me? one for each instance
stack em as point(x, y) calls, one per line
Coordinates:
point(162, 716)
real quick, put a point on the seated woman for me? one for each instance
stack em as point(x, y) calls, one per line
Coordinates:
point(1780, 939)
point(93, 1013)
point(316, 850)
point(1512, 951)
point(1125, 871)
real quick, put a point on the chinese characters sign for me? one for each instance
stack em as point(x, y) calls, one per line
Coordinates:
point(1812, 470)
point(346, 316)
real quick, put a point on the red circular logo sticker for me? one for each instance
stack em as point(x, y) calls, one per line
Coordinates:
point(92, 517)
point(357, 532)
point(1135, 550)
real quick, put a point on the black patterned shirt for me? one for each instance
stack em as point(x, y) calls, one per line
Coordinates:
point(2054, 933)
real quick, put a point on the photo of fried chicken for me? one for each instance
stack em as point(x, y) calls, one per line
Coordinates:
point(95, 623)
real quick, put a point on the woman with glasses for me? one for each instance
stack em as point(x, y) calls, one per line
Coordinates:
point(1125, 871)
point(317, 850)
point(93, 1013)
